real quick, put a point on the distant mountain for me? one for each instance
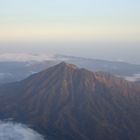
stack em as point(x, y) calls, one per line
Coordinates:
point(15, 67)
point(68, 103)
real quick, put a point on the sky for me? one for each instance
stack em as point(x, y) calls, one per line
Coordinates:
point(88, 20)
point(105, 29)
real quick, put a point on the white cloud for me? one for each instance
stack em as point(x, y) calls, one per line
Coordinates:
point(133, 78)
point(15, 131)
point(27, 57)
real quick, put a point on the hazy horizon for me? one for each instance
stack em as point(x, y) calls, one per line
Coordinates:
point(125, 52)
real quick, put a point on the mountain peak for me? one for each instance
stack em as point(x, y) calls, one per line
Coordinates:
point(66, 65)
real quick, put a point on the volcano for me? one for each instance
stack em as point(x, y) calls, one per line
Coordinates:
point(65, 102)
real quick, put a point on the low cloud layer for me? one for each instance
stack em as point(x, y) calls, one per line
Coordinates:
point(14, 131)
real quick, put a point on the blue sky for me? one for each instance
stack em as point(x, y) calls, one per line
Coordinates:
point(70, 19)
point(71, 8)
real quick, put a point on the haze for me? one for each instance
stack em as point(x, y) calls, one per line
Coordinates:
point(127, 52)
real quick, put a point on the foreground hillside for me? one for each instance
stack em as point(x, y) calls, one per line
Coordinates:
point(68, 103)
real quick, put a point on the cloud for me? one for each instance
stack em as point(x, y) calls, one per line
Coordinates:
point(16, 131)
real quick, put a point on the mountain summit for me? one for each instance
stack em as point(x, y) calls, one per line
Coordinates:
point(68, 103)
